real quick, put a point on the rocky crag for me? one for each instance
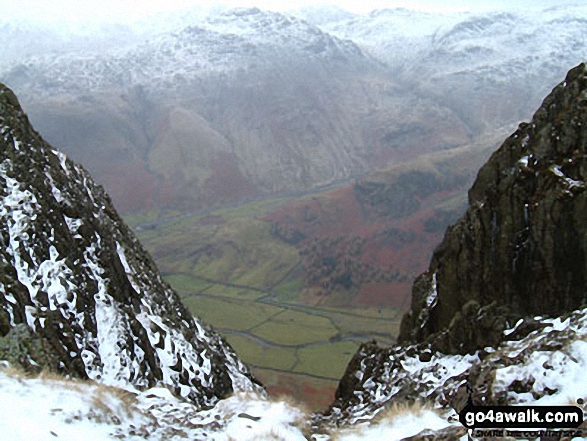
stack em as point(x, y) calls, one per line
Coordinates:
point(520, 248)
point(499, 308)
point(78, 293)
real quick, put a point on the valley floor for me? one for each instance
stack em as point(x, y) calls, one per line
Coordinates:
point(231, 272)
point(293, 348)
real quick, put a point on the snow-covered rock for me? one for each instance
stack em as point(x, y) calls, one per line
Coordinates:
point(75, 275)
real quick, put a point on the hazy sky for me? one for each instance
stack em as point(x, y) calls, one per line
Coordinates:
point(127, 10)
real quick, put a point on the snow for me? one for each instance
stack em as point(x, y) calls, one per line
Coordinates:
point(493, 44)
point(557, 377)
point(431, 299)
point(275, 420)
point(112, 354)
point(220, 43)
point(396, 428)
point(130, 274)
point(170, 344)
point(436, 372)
point(571, 183)
point(561, 371)
point(117, 366)
point(54, 190)
point(525, 144)
point(18, 209)
point(73, 224)
point(557, 324)
point(512, 330)
point(549, 364)
point(18, 206)
point(44, 409)
point(243, 416)
point(432, 296)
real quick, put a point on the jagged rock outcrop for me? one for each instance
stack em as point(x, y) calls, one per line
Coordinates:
point(541, 367)
point(74, 274)
point(499, 309)
point(520, 249)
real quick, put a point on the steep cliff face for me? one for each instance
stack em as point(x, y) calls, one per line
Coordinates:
point(520, 249)
point(78, 293)
point(499, 309)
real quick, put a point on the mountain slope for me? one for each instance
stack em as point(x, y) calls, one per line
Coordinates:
point(245, 103)
point(489, 68)
point(256, 102)
point(74, 278)
point(515, 257)
point(520, 245)
point(365, 243)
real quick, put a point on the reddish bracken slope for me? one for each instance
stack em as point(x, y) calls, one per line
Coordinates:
point(364, 243)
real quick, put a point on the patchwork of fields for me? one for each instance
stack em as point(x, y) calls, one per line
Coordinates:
point(233, 273)
point(295, 284)
point(293, 349)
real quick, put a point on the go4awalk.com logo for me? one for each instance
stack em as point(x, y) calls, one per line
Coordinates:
point(520, 417)
point(515, 417)
point(536, 421)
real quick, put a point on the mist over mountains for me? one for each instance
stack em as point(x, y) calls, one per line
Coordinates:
point(238, 104)
point(81, 297)
point(210, 111)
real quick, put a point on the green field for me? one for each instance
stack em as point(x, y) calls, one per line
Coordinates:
point(228, 249)
point(189, 284)
point(235, 315)
point(231, 272)
point(269, 335)
point(262, 355)
point(294, 328)
point(328, 360)
point(233, 292)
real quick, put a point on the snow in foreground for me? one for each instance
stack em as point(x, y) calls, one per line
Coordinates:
point(50, 408)
point(403, 424)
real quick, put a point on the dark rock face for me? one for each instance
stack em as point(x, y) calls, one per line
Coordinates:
point(520, 249)
point(73, 273)
point(477, 315)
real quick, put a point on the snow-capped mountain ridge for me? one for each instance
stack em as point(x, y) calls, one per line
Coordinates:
point(227, 42)
point(441, 44)
point(290, 106)
point(512, 34)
